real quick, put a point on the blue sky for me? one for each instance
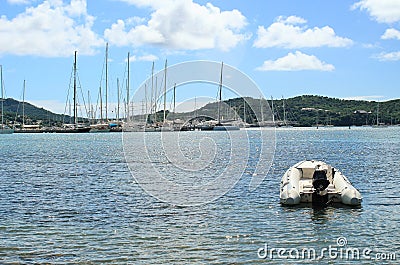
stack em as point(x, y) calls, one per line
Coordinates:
point(343, 49)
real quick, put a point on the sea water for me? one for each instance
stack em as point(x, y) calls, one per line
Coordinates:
point(71, 199)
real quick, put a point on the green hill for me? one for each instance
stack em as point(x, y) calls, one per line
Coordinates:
point(309, 110)
point(33, 115)
point(306, 110)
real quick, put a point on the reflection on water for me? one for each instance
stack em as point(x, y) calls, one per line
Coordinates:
point(71, 199)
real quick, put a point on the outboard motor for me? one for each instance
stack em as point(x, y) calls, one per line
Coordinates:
point(320, 181)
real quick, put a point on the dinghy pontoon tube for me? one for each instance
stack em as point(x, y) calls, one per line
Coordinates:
point(317, 182)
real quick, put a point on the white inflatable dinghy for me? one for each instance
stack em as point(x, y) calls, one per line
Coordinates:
point(316, 182)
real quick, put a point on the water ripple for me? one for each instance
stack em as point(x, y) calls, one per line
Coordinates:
point(70, 199)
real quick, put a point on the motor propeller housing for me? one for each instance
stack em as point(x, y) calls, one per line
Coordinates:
point(320, 180)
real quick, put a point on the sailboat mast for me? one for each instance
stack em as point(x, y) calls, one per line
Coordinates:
point(152, 90)
point(145, 111)
point(69, 111)
point(195, 107)
point(127, 91)
point(377, 115)
point(23, 106)
point(2, 97)
point(118, 99)
point(156, 99)
point(244, 110)
point(165, 89)
point(261, 109)
point(174, 97)
point(146, 107)
point(273, 111)
point(106, 81)
point(220, 94)
point(90, 108)
point(284, 112)
point(101, 104)
point(75, 99)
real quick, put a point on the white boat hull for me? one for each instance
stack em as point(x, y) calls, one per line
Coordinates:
point(298, 186)
point(99, 128)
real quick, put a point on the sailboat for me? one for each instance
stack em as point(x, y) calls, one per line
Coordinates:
point(378, 123)
point(102, 126)
point(219, 126)
point(75, 127)
point(27, 128)
point(165, 126)
point(285, 120)
point(129, 125)
point(99, 127)
point(4, 129)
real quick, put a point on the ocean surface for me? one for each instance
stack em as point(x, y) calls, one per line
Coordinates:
point(71, 199)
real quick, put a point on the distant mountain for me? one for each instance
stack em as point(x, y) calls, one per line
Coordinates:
point(309, 110)
point(306, 110)
point(33, 114)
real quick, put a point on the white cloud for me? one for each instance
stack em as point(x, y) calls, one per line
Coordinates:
point(391, 34)
point(287, 33)
point(135, 21)
point(296, 62)
point(181, 25)
point(50, 29)
point(384, 11)
point(388, 56)
point(119, 35)
point(370, 45)
point(146, 58)
point(291, 20)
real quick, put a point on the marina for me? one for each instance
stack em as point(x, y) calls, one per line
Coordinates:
point(220, 115)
